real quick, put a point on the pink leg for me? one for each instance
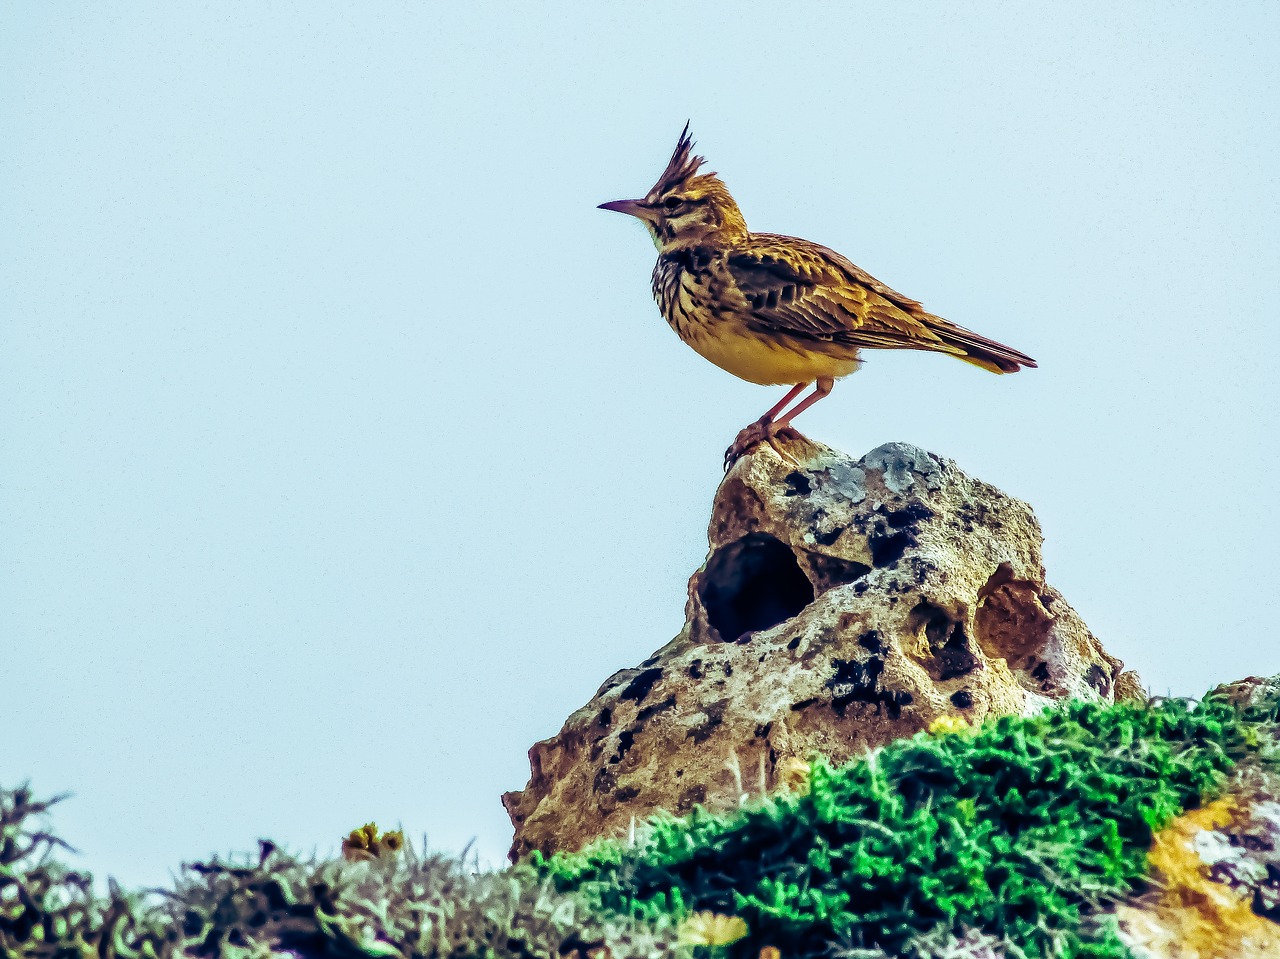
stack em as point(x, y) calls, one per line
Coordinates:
point(770, 431)
point(782, 403)
point(820, 389)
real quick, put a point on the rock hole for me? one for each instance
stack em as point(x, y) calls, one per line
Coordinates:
point(955, 658)
point(797, 484)
point(933, 620)
point(887, 548)
point(950, 653)
point(752, 584)
point(1097, 678)
point(830, 536)
point(1011, 621)
point(829, 572)
point(859, 681)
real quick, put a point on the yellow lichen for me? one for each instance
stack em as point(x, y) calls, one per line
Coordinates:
point(1193, 917)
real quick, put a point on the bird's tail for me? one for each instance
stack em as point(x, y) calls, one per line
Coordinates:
point(977, 349)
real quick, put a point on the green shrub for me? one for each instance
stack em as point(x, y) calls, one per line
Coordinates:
point(1024, 829)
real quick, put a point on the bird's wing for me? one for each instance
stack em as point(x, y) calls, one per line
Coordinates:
point(800, 289)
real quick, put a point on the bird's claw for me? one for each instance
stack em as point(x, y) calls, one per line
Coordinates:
point(761, 431)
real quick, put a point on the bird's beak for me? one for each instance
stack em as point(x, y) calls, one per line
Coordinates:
point(637, 208)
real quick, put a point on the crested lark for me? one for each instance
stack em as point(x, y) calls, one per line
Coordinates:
point(775, 309)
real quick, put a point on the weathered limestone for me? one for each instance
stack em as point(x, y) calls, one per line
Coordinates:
point(843, 604)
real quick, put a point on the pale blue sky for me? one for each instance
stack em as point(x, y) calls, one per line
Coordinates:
point(344, 453)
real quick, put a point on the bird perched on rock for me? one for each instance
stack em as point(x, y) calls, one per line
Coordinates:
point(775, 309)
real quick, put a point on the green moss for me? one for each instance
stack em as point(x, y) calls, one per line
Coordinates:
point(1023, 829)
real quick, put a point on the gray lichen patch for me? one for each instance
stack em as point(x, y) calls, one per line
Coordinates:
point(901, 463)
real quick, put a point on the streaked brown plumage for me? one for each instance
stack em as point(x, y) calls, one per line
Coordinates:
point(776, 309)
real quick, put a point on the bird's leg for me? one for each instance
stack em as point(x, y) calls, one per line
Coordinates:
point(782, 403)
point(763, 430)
point(820, 389)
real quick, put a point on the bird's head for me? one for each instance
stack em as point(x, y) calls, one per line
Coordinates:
point(685, 207)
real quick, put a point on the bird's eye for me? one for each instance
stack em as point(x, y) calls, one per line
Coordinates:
point(672, 203)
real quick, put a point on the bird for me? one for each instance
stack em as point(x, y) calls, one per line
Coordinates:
point(777, 310)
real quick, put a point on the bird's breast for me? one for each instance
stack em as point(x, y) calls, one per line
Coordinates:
point(708, 312)
point(691, 299)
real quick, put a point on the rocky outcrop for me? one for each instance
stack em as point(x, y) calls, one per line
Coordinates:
point(844, 603)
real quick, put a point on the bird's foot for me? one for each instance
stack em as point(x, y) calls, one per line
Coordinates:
point(761, 431)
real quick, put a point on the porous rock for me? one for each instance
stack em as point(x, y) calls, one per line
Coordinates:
point(843, 604)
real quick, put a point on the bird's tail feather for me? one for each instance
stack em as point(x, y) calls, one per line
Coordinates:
point(977, 349)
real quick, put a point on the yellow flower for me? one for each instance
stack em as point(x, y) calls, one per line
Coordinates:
point(794, 774)
point(364, 844)
point(393, 842)
point(358, 845)
point(948, 724)
point(711, 929)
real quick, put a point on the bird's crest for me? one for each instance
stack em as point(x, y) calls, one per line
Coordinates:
point(681, 167)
